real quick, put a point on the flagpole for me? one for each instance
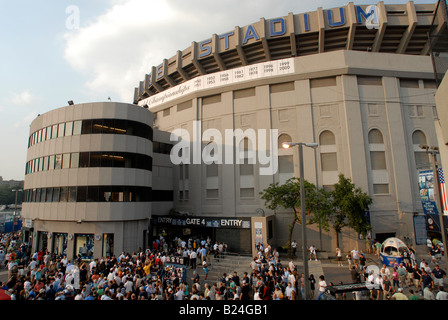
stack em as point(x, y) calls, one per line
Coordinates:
point(440, 201)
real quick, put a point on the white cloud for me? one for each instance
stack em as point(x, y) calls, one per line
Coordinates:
point(23, 99)
point(120, 47)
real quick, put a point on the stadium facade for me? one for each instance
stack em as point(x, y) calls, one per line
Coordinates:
point(358, 80)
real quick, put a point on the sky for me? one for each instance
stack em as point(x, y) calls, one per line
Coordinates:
point(87, 51)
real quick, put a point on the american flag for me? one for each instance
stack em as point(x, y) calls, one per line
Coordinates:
point(443, 191)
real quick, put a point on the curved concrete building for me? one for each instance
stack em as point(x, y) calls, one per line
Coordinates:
point(88, 183)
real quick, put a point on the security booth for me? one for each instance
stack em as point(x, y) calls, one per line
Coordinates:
point(394, 251)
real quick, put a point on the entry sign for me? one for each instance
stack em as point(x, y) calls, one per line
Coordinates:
point(211, 222)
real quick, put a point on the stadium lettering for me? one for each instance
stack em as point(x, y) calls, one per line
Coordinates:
point(370, 17)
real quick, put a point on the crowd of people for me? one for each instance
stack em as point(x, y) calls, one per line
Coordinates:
point(161, 273)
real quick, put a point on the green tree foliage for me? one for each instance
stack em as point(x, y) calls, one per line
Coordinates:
point(345, 206)
point(7, 196)
point(287, 196)
point(350, 205)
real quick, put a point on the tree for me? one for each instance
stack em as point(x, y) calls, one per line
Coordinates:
point(350, 205)
point(322, 209)
point(7, 196)
point(287, 196)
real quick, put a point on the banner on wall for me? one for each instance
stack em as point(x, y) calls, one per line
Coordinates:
point(427, 195)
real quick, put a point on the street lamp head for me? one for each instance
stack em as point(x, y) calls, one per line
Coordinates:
point(313, 145)
point(287, 145)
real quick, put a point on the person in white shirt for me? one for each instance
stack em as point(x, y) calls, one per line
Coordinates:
point(288, 291)
point(339, 257)
point(442, 294)
point(32, 264)
point(385, 271)
point(322, 287)
point(179, 295)
point(129, 285)
point(355, 255)
point(291, 265)
point(92, 265)
point(428, 294)
point(313, 253)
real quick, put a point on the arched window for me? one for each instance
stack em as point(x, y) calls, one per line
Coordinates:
point(283, 138)
point(375, 137)
point(418, 137)
point(327, 138)
point(328, 154)
point(420, 155)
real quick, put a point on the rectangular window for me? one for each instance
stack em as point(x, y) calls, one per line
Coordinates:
point(54, 133)
point(185, 105)
point(49, 196)
point(72, 194)
point(61, 130)
point(68, 129)
point(323, 82)
point(421, 159)
point(63, 196)
point(77, 127)
point(409, 83)
point(84, 160)
point(44, 134)
point(282, 87)
point(43, 195)
point(243, 93)
point(378, 160)
point(329, 161)
point(51, 163)
point(210, 100)
point(38, 193)
point(58, 161)
point(86, 127)
point(46, 160)
point(212, 193)
point(369, 81)
point(285, 168)
point(380, 188)
point(92, 194)
point(74, 161)
point(81, 194)
point(56, 192)
point(247, 192)
point(372, 109)
point(66, 161)
point(419, 111)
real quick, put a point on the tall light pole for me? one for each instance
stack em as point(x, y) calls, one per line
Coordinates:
point(15, 208)
point(433, 151)
point(313, 145)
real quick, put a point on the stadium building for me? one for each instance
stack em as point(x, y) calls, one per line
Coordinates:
point(358, 80)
